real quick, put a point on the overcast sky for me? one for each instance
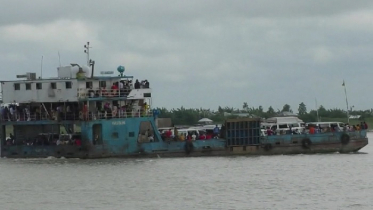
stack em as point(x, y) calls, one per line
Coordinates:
point(204, 53)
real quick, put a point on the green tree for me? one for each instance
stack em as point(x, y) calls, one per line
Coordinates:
point(302, 110)
point(270, 112)
point(323, 112)
point(286, 108)
point(309, 117)
point(260, 110)
point(245, 106)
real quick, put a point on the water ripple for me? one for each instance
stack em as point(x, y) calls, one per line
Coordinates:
point(320, 181)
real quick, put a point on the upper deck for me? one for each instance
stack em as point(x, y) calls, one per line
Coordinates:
point(69, 88)
point(75, 95)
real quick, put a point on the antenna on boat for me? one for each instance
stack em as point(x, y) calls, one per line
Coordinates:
point(348, 117)
point(41, 68)
point(59, 58)
point(90, 62)
point(86, 47)
point(317, 111)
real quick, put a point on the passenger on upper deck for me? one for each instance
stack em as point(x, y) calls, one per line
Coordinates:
point(85, 111)
point(114, 89)
point(121, 85)
point(146, 84)
point(137, 84)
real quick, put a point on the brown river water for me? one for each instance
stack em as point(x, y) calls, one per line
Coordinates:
point(319, 181)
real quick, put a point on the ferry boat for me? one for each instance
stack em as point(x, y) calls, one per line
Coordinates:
point(79, 115)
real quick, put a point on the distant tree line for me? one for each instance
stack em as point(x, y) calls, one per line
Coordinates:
point(184, 116)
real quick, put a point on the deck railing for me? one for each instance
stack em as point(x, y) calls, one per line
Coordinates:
point(74, 116)
point(84, 93)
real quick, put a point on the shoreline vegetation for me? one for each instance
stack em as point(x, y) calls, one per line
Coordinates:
point(190, 116)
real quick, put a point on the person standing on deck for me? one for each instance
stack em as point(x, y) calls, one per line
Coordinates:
point(176, 134)
point(168, 134)
point(269, 131)
point(11, 111)
point(85, 111)
point(312, 130)
point(137, 84)
point(216, 131)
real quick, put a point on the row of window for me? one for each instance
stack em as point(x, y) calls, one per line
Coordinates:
point(68, 85)
point(101, 84)
point(39, 85)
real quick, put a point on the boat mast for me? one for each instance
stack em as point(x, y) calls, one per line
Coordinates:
point(317, 111)
point(41, 67)
point(348, 117)
point(89, 61)
point(87, 52)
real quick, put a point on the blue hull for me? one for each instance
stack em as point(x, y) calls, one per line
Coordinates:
point(122, 138)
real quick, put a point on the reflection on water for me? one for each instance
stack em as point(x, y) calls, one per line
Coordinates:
point(319, 181)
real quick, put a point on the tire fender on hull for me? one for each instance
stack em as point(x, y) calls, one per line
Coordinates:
point(345, 138)
point(188, 147)
point(306, 143)
point(267, 147)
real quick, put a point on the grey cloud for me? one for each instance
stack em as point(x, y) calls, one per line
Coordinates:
point(162, 13)
point(205, 53)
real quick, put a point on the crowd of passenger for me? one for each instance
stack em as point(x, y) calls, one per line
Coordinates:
point(334, 128)
point(106, 110)
point(72, 111)
point(26, 112)
point(192, 135)
point(45, 140)
point(118, 89)
point(313, 129)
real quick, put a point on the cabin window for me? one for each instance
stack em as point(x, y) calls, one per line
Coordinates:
point(102, 84)
point(17, 86)
point(294, 125)
point(54, 85)
point(39, 86)
point(115, 135)
point(88, 85)
point(147, 95)
point(283, 126)
point(324, 125)
point(131, 134)
point(28, 86)
point(68, 85)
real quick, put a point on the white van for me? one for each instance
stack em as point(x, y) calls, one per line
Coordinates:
point(323, 125)
point(283, 127)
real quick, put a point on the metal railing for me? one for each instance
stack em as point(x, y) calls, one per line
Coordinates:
point(102, 92)
point(81, 116)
